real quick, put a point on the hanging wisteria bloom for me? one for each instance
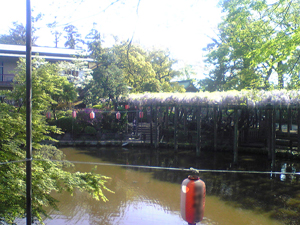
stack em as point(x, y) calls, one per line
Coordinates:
point(251, 98)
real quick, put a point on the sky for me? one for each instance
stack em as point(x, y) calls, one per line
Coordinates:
point(182, 26)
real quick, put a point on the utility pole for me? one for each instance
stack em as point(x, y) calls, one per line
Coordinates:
point(28, 115)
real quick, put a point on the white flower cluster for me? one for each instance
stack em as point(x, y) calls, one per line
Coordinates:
point(250, 98)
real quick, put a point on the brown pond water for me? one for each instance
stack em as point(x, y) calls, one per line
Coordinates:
point(145, 196)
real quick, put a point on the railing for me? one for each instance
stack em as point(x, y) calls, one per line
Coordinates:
point(6, 81)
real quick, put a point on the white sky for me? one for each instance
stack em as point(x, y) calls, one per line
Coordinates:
point(179, 25)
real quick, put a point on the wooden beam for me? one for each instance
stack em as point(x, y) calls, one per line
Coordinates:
point(151, 130)
point(167, 117)
point(280, 119)
point(298, 131)
point(184, 120)
point(137, 122)
point(273, 134)
point(215, 121)
point(155, 128)
point(198, 144)
point(175, 128)
point(269, 132)
point(235, 136)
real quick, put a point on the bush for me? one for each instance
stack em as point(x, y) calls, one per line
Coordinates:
point(100, 106)
point(60, 114)
point(90, 130)
point(66, 124)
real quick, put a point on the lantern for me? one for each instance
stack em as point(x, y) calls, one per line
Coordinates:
point(74, 114)
point(192, 203)
point(118, 115)
point(92, 115)
point(48, 115)
point(141, 114)
point(126, 107)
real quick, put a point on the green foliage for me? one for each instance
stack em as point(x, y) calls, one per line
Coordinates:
point(256, 40)
point(99, 106)
point(54, 31)
point(72, 36)
point(50, 89)
point(90, 130)
point(61, 114)
point(47, 176)
point(17, 34)
point(108, 82)
point(126, 66)
point(69, 125)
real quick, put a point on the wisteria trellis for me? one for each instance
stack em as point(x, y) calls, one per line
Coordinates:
point(250, 98)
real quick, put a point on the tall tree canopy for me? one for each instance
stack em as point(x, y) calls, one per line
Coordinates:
point(55, 31)
point(125, 66)
point(17, 33)
point(145, 71)
point(73, 37)
point(256, 40)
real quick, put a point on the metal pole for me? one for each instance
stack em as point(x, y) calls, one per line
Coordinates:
point(28, 114)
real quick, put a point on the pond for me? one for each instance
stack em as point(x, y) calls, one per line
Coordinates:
point(150, 196)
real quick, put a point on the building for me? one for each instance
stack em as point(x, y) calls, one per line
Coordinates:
point(188, 85)
point(10, 54)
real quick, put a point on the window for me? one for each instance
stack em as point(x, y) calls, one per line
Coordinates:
point(1, 71)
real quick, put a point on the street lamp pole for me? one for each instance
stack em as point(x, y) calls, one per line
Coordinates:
point(28, 115)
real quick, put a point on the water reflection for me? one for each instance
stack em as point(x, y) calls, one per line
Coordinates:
point(152, 196)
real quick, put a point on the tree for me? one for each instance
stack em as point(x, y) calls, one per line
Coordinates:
point(54, 31)
point(52, 88)
point(72, 36)
point(162, 65)
point(108, 82)
point(255, 41)
point(138, 71)
point(47, 175)
point(77, 72)
point(94, 44)
point(125, 65)
point(108, 79)
point(17, 34)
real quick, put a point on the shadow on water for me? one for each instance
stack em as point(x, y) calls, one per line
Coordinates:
point(277, 195)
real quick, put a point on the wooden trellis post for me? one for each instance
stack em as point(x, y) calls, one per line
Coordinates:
point(289, 125)
point(198, 144)
point(137, 122)
point(298, 131)
point(273, 119)
point(235, 135)
point(280, 118)
point(151, 130)
point(175, 128)
point(184, 119)
point(289, 110)
point(155, 127)
point(215, 121)
point(271, 132)
point(167, 117)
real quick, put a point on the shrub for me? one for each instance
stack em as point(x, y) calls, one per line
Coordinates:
point(100, 106)
point(90, 130)
point(67, 123)
point(60, 114)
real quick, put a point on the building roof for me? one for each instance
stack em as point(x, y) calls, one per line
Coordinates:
point(18, 51)
point(188, 85)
